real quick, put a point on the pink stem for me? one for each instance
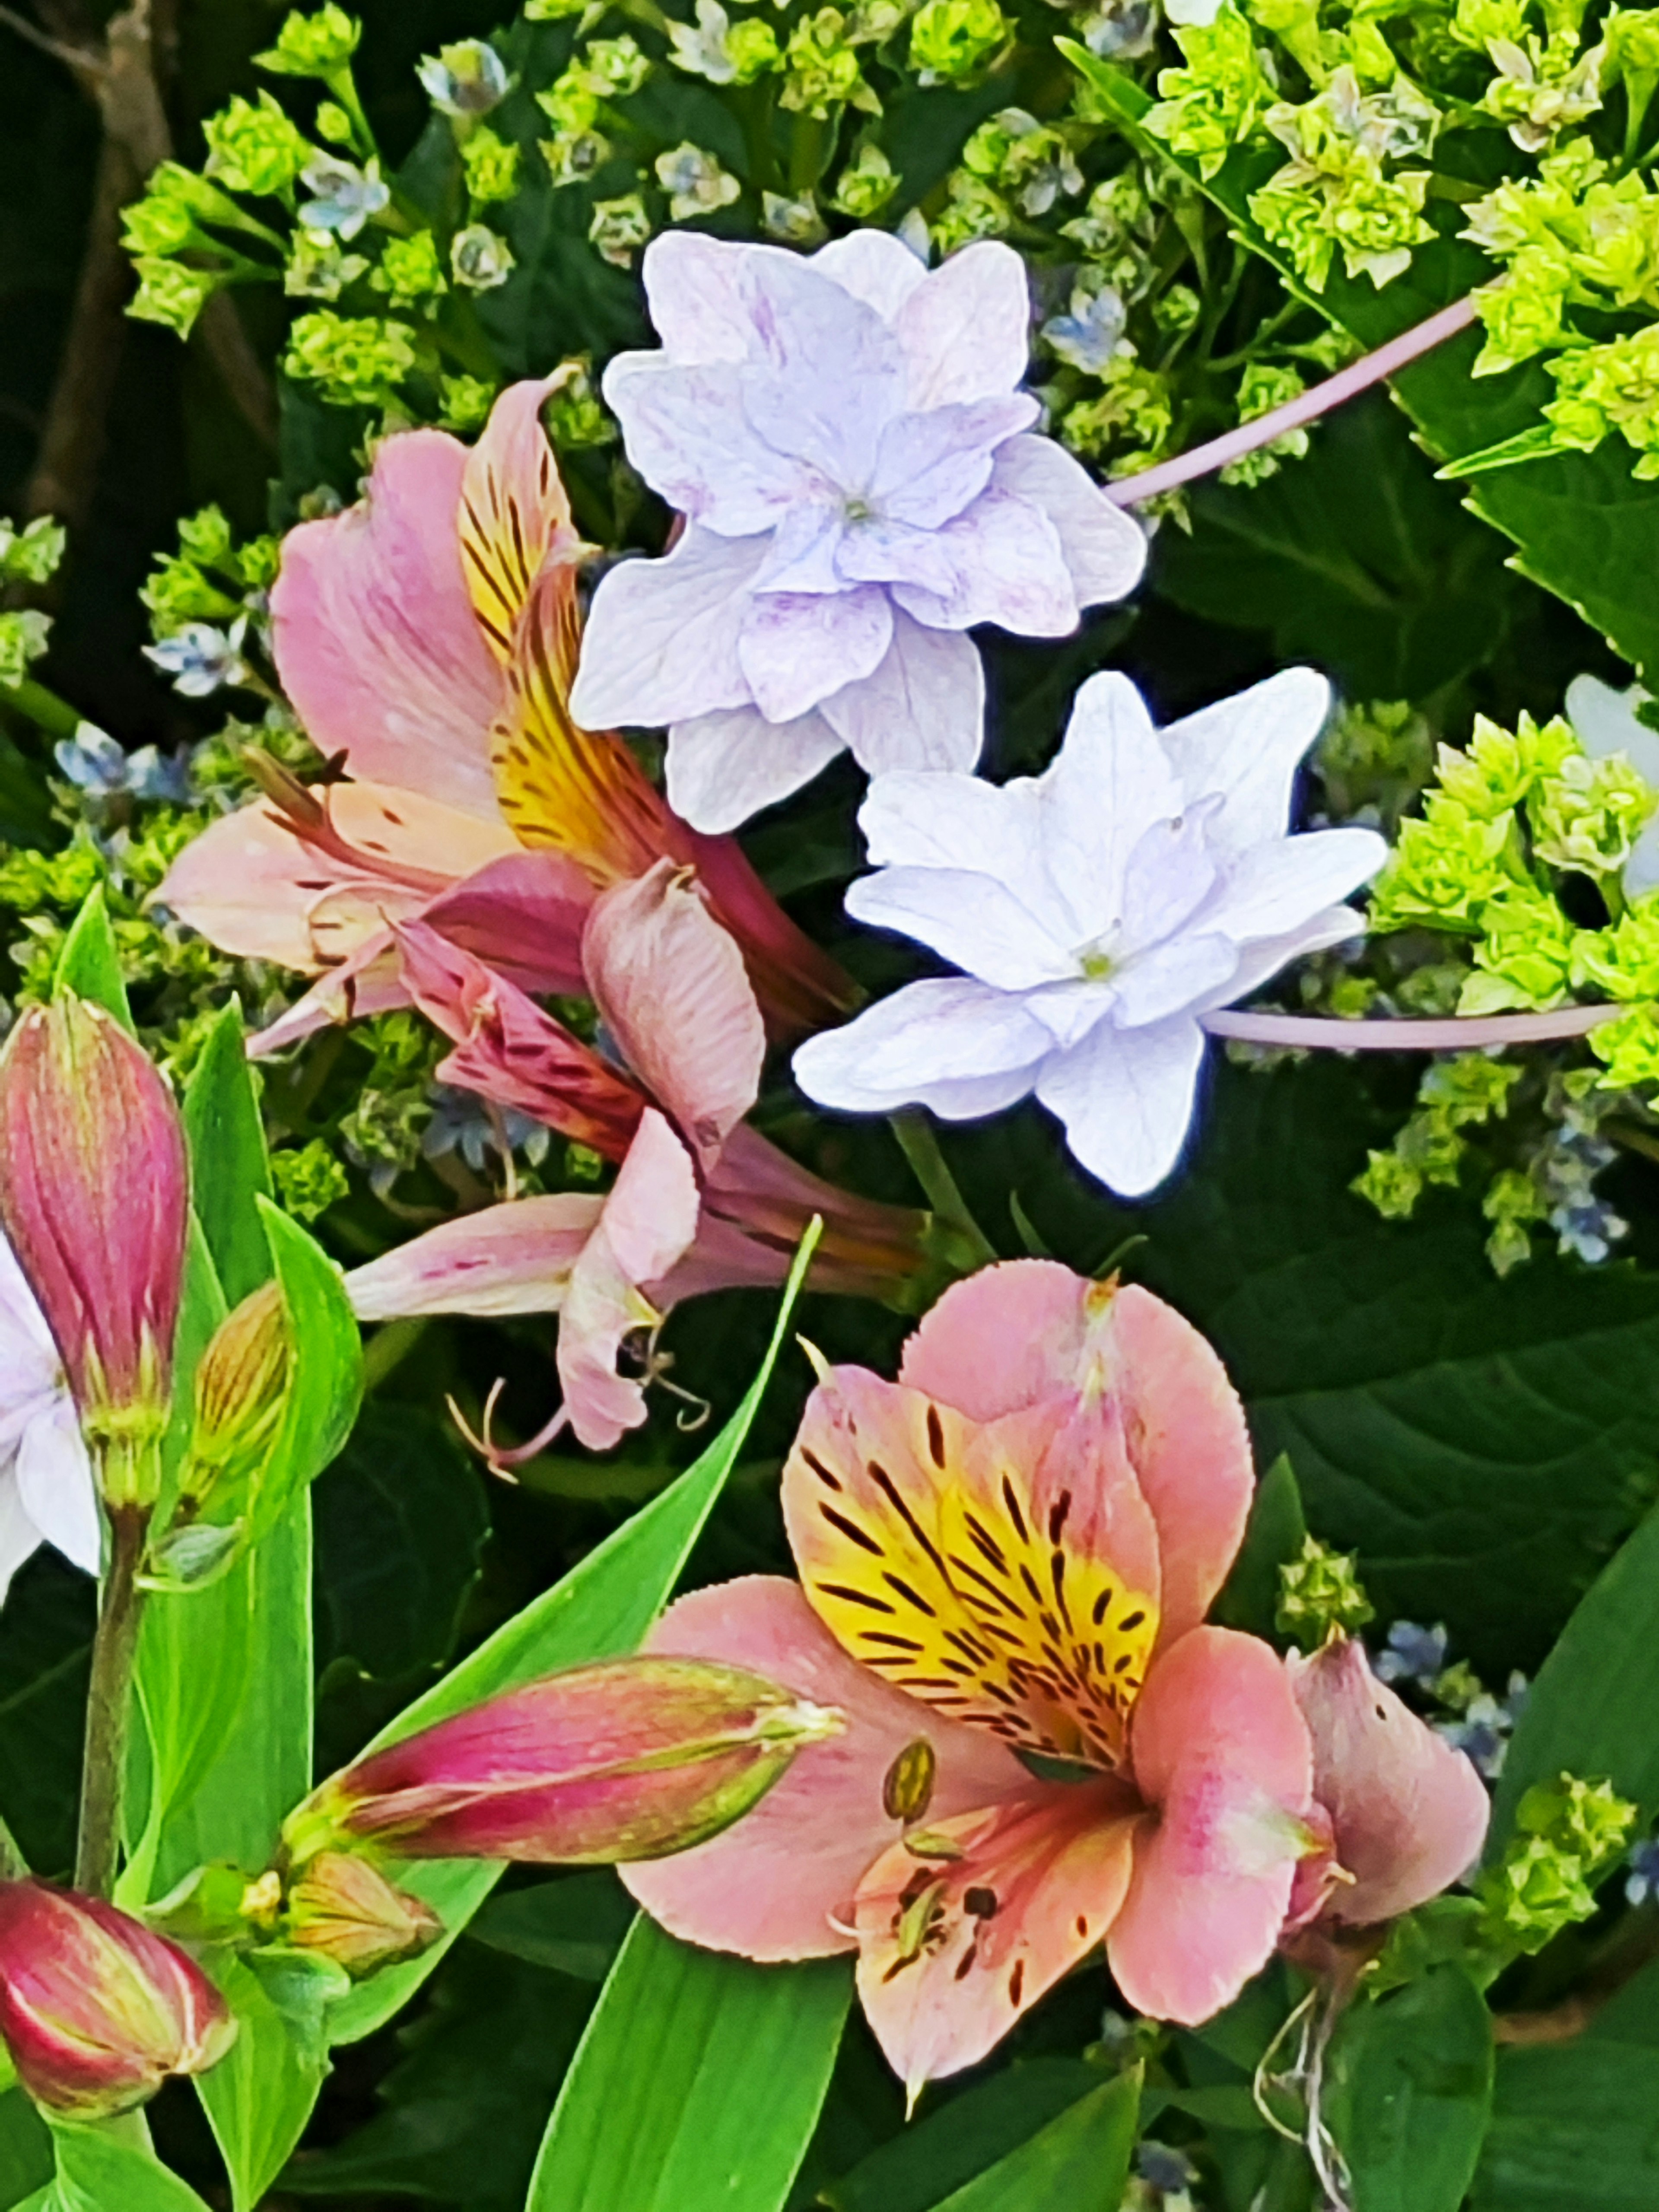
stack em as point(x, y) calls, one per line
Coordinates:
point(1457, 1033)
point(1306, 407)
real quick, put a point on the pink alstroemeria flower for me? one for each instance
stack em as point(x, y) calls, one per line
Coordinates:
point(1012, 1550)
point(702, 1202)
point(428, 637)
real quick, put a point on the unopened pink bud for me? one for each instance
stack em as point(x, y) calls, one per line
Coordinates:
point(344, 1908)
point(627, 1758)
point(95, 2010)
point(94, 1199)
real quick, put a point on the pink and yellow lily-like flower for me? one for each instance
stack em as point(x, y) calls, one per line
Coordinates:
point(1007, 1556)
point(427, 639)
point(701, 1201)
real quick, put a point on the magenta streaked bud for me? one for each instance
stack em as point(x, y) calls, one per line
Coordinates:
point(627, 1758)
point(344, 1908)
point(95, 2010)
point(95, 1199)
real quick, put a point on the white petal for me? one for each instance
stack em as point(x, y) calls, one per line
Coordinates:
point(1642, 869)
point(1126, 1099)
point(661, 642)
point(20, 1539)
point(1274, 887)
point(1172, 979)
point(923, 707)
point(1334, 925)
point(874, 266)
point(1010, 570)
point(723, 767)
point(929, 467)
point(1248, 749)
point(54, 1482)
point(797, 647)
point(1105, 548)
point(931, 821)
point(966, 329)
point(1606, 722)
point(691, 288)
point(1110, 783)
point(968, 919)
point(952, 1044)
point(688, 433)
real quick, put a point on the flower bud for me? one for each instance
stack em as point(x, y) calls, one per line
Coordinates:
point(95, 2010)
point(627, 1758)
point(241, 1385)
point(344, 1908)
point(94, 1200)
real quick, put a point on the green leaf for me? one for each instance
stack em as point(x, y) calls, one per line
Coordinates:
point(325, 1367)
point(953, 2145)
point(261, 2095)
point(1273, 1534)
point(1412, 2094)
point(26, 2160)
point(46, 1650)
point(228, 1164)
point(1591, 1710)
point(1534, 445)
point(603, 1606)
point(88, 963)
point(697, 2085)
point(101, 2170)
point(1078, 2163)
point(1572, 2130)
point(401, 1522)
point(575, 1923)
point(1585, 528)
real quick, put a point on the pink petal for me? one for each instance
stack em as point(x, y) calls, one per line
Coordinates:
point(1006, 1575)
point(374, 634)
point(868, 1247)
point(1053, 1865)
point(1016, 1333)
point(508, 1050)
point(248, 885)
point(648, 1219)
point(512, 1258)
point(368, 980)
point(513, 514)
point(671, 987)
point(772, 1886)
point(1409, 1813)
point(1223, 1755)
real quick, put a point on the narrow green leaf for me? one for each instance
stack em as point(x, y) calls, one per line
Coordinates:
point(964, 2138)
point(1273, 1534)
point(697, 2085)
point(88, 963)
point(229, 1168)
point(1078, 2163)
point(1590, 1711)
point(1413, 2085)
point(261, 2095)
point(604, 1606)
point(99, 2171)
point(1535, 445)
point(325, 1363)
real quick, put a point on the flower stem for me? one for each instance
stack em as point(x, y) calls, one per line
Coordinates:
point(109, 1706)
point(920, 1146)
point(1455, 1033)
point(1306, 407)
point(54, 715)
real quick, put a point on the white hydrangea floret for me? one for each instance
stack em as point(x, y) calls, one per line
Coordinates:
point(1608, 722)
point(1098, 911)
point(845, 435)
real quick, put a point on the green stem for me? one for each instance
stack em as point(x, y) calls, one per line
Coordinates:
point(14, 1866)
point(920, 1146)
point(54, 715)
point(109, 1706)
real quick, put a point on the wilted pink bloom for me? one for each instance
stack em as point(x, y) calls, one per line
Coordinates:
point(1408, 1813)
point(95, 2010)
point(94, 1199)
point(1012, 1550)
point(428, 637)
point(624, 1759)
point(702, 1202)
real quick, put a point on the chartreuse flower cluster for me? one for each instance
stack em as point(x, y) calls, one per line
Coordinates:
point(28, 556)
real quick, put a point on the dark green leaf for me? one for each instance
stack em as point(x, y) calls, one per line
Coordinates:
point(575, 1925)
point(45, 1650)
point(697, 2085)
point(1078, 2163)
point(605, 1606)
point(1412, 2093)
point(88, 963)
point(25, 2160)
point(1273, 1536)
point(1591, 1710)
point(1574, 2128)
point(228, 1164)
point(962, 2138)
point(400, 1523)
